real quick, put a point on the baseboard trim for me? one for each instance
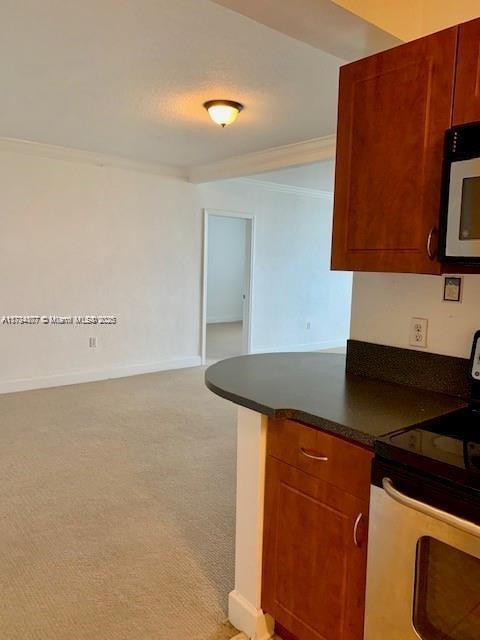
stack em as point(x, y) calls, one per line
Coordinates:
point(246, 618)
point(76, 377)
point(307, 346)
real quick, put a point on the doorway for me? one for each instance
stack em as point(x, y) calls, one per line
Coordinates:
point(227, 284)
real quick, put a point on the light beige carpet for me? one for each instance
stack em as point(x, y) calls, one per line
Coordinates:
point(224, 340)
point(117, 511)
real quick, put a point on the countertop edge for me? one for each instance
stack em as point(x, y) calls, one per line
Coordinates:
point(240, 400)
point(314, 421)
point(337, 429)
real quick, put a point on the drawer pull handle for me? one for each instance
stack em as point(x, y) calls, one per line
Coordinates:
point(308, 453)
point(355, 530)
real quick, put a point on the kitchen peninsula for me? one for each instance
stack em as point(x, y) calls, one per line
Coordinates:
point(307, 423)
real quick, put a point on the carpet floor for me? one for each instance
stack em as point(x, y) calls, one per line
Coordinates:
point(224, 340)
point(117, 511)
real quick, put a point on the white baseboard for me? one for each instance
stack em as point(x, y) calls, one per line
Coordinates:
point(75, 377)
point(307, 346)
point(221, 319)
point(246, 618)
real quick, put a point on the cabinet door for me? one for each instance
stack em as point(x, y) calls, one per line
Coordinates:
point(467, 83)
point(394, 108)
point(314, 556)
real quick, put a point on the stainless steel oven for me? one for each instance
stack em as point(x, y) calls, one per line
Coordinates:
point(423, 569)
point(423, 578)
point(459, 232)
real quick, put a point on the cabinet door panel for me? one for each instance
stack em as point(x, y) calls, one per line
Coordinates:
point(313, 572)
point(467, 84)
point(394, 108)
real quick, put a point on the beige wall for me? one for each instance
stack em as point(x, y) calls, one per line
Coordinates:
point(401, 19)
point(438, 14)
point(411, 19)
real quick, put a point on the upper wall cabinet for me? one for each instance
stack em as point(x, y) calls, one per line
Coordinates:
point(394, 108)
point(467, 84)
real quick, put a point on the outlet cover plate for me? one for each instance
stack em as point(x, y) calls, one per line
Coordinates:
point(418, 332)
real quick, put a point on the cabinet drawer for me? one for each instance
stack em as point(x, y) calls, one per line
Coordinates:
point(321, 455)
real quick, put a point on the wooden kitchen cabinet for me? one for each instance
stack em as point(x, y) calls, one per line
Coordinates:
point(467, 83)
point(315, 533)
point(394, 108)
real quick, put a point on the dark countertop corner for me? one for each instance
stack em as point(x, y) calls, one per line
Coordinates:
point(315, 388)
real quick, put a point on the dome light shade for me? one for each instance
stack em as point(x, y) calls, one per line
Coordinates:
point(223, 112)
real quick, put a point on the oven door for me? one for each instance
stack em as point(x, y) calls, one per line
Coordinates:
point(423, 572)
point(462, 240)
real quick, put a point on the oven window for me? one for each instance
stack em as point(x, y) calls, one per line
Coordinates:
point(447, 592)
point(470, 213)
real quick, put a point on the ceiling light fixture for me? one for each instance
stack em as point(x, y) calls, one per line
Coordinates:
point(223, 112)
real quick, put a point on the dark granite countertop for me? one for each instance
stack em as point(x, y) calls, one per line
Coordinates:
point(315, 389)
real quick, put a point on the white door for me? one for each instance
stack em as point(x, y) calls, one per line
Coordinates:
point(247, 282)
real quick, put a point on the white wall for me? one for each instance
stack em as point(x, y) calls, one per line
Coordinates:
point(383, 305)
point(78, 238)
point(225, 269)
point(293, 283)
point(83, 239)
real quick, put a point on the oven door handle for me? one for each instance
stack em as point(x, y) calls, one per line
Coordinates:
point(443, 516)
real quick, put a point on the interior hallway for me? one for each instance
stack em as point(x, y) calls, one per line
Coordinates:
point(118, 506)
point(224, 340)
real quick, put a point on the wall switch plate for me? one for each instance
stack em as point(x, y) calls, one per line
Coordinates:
point(308, 324)
point(418, 332)
point(92, 342)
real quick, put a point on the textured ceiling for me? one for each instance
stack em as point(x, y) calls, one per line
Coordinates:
point(128, 77)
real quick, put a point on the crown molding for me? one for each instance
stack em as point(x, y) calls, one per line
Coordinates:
point(290, 155)
point(300, 153)
point(40, 149)
point(287, 188)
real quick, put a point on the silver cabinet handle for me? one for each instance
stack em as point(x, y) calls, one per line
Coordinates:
point(443, 516)
point(355, 530)
point(314, 456)
point(430, 253)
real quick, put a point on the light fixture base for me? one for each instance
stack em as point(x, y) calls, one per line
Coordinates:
point(223, 112)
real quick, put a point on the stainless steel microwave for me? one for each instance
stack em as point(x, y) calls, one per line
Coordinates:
point(459, 231)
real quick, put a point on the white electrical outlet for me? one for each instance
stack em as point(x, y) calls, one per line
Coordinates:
point(92, 342)
point(418, 332)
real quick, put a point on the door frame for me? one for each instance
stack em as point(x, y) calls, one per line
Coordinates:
point(249, 266)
